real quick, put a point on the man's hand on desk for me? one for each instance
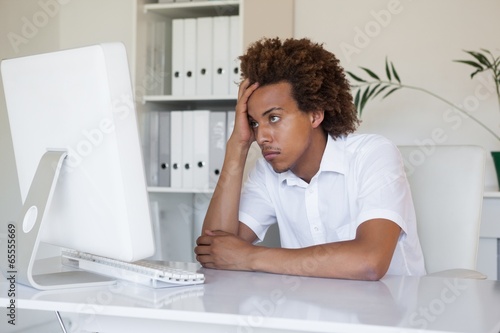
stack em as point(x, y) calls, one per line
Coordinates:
point(223, 250)
point(366, 257)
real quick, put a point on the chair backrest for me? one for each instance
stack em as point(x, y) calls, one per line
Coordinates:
point(447, 184)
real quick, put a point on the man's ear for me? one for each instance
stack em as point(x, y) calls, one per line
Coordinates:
point(317, 117)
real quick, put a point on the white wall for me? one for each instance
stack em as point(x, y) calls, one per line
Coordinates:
point(86, 22)
point(422, 38)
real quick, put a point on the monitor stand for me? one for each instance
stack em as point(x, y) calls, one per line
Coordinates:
point(26, 234)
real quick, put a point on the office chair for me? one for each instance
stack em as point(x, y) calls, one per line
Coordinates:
point(447, 184)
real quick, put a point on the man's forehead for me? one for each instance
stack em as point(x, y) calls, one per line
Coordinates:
point(268, 98)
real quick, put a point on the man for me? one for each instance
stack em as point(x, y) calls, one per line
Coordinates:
point(341, 200)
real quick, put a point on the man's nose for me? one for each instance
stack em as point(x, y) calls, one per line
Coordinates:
point(263, 135)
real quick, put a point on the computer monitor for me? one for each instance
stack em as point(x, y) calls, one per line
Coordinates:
point(78, 156)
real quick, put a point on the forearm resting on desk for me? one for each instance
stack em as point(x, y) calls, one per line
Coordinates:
point(367, 257)
point(334, 260)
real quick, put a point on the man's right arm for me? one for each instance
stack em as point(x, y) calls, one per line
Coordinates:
point(222, 213)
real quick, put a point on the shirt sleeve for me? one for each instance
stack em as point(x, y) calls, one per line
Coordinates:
point(256, 207)
point(383, 190)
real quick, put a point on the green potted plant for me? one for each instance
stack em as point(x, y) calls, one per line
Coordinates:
point(371, 85)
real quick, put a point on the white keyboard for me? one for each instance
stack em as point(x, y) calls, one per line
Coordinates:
point(148, 273)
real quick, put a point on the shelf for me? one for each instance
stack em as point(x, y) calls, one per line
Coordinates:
point(157, 189)
point(194, 8)
point(193, 102)
point(170, 98)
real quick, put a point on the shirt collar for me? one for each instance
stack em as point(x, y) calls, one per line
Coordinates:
point(332, 160)
point(334, 156)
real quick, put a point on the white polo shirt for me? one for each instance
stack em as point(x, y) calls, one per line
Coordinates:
point(361, 177)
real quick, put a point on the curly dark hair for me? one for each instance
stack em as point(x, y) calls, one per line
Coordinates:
point(317, 79)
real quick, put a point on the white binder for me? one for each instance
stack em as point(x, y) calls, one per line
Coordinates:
point(204, 47)
point(176, 149)
point(235, 48)
point(177, 57)
point(156, 56)
point(221, 56)
point(187, 149)
point(190, 56)
point(201, 123)
point(164, 143)
point(153, 150)
point(217, 142)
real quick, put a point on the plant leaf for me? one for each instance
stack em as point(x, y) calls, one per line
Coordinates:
point(374, 88)
point(486, 51)
point(391, 91)
point(357, 78)
point(491, 55)
point(474, 73)
point(387, 70)
point(470, 63)
point(364, 99)
point(481, 58)
point(371, 73)
point(356, 101)
point(396, 76)
point(381, 90)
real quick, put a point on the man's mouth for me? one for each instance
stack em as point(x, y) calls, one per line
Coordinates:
point(270, 154)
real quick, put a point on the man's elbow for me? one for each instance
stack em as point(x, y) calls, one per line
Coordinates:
point(374, 270)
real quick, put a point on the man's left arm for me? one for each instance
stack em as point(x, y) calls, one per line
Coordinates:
point(366, 257)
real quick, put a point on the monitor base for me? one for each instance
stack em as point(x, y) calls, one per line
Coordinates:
point(24, 235)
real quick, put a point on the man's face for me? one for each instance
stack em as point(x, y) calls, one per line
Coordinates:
point(283, 132)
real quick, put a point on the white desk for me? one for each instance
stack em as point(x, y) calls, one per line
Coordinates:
point(489, 243)
point(258, 302)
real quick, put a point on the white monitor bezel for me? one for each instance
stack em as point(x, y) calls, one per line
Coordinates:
point(41, 93)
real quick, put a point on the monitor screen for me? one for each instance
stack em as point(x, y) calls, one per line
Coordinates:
point(81, 101)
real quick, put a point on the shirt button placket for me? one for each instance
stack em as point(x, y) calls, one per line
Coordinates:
point(312, 209)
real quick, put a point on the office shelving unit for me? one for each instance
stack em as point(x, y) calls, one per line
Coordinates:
point(181, 211)
point(160, 48)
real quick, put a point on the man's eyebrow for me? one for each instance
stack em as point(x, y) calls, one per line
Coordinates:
point(271, 110)
point(274, 108)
